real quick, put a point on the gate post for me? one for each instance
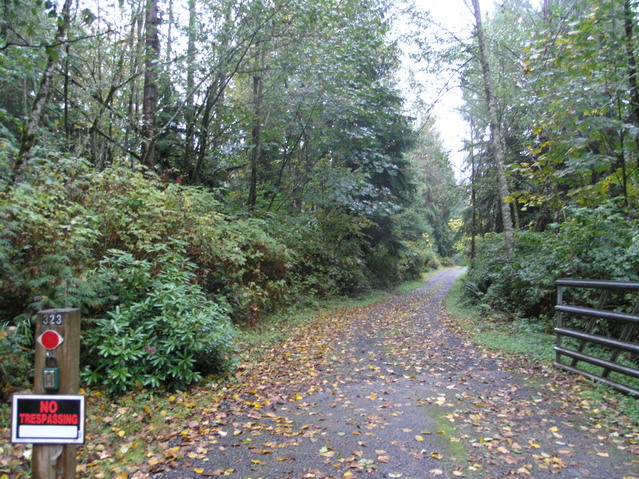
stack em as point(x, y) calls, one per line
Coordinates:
point(56, 461)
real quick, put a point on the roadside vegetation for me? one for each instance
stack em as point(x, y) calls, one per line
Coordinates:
point(530, 342)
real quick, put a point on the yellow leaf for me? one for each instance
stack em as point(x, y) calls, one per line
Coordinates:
point(121, 433)
point(348, 474)
point(436, 455)
point(198, 470)
point(419, 438)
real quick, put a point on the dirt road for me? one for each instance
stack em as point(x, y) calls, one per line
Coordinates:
point(396, 391)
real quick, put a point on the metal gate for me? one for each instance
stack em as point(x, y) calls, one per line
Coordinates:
point(597, 340)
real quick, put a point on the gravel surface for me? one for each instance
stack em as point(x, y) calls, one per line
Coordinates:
point(400, 392)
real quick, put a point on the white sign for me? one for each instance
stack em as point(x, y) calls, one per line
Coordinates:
point(47, 419)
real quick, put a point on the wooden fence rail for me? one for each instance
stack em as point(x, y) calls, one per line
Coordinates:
point(594, 334)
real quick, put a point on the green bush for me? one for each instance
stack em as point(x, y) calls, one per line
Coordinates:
point(413, 261)
point(157, 261)
point(327, 256)
point(16, 359)
point(165, 333)
point(600, 243)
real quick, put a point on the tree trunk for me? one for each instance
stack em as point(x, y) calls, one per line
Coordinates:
point(256, 146)
point(546, 11)
point(473, 197)
point(29, 131)
point(495, 131)
point(189, 147)
point(4, 28)
point(633, 82)
point(67, 129)
point(135, 47)
point(150, 101)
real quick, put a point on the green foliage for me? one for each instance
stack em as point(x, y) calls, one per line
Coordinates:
point(151, 262)
point(598, 243)
point(329, 254)
point(15, 360)
point(47, 240)
point(164, 333)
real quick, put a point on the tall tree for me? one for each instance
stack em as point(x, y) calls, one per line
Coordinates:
point(497, 141)
point(151, 67)
point(30, 129)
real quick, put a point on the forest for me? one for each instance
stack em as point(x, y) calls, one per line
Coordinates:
point(179, 170)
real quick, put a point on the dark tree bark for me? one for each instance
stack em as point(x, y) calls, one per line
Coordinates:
point(189, 110)
point(150, 101)
point(4, 28)
point(256, 146)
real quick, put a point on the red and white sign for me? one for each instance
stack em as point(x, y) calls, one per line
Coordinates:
point(50, 339)
point(47, 419)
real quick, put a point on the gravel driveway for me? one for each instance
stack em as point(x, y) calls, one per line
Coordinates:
point(395, 390)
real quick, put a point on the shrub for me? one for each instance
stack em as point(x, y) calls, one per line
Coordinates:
point(600, 243)
point(16, 359)
point(155, 261)
point(166, 332)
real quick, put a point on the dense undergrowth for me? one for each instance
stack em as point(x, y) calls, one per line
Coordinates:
point(517, 291)
point(151, 260)
point(591, 243)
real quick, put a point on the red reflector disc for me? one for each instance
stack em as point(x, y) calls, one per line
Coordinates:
point(50, 339)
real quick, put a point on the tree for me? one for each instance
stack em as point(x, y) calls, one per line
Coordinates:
point(496, 136)
point(585, 134)
point(30, 129)
point(151, 65)
point(439, 193)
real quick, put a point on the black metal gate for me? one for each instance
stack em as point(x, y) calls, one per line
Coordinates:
point(598, 340)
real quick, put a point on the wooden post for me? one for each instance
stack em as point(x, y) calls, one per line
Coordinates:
point(57, 461)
